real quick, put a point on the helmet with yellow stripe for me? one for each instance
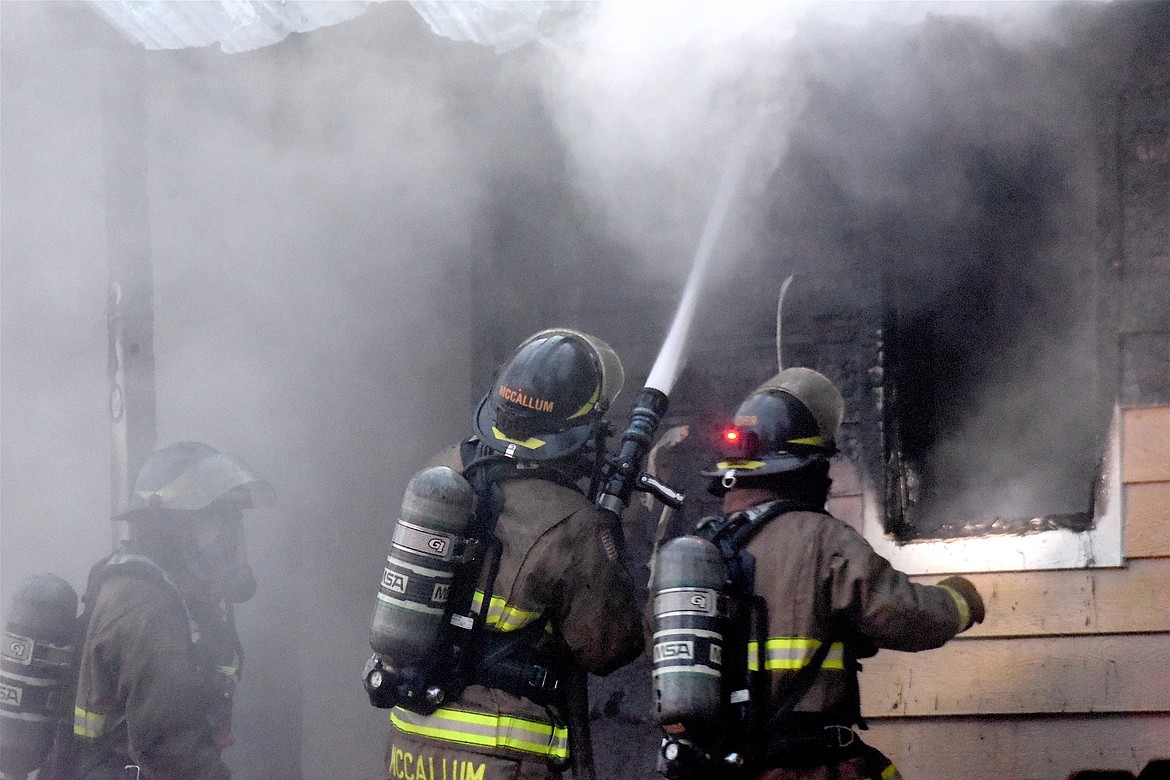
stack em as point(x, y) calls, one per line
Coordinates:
point(550, 396)
point(786, 423)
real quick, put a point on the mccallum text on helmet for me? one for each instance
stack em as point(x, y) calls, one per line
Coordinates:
point(517, 397)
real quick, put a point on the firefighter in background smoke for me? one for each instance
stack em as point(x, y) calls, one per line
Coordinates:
point(828, 599)
point(161, 655)
point(561, 599)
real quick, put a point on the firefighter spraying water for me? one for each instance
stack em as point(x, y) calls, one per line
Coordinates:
point(479, 616)
point(504, 585)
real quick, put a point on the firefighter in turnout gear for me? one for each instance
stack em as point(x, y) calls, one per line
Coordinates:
point(161, 656)
point(552, 601)
point(818, 596)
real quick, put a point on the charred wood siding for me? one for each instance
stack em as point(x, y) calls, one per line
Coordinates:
point(1139, 232)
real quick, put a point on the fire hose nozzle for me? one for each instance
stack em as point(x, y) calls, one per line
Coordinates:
point(649, 406)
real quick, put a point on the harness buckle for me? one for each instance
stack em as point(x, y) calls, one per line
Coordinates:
point(540, 679)
point(839, 736)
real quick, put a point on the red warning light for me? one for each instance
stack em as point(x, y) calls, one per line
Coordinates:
point(736, 443)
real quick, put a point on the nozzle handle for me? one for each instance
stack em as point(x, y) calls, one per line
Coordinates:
point(660, 490)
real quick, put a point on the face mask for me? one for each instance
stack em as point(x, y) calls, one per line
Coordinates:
point(240, 584)
point(215, 553)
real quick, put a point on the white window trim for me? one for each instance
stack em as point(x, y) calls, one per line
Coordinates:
point(1100, 547)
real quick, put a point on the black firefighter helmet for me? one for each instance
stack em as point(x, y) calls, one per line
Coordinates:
point(786, 423)
point(550, 396)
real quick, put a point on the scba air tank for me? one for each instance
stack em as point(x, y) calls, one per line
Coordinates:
point(688, 636)
point(423, 559)
point(36, 671)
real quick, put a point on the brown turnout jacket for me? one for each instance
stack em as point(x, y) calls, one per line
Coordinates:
point(560, 566)
point(822, 581)
point(145, 696)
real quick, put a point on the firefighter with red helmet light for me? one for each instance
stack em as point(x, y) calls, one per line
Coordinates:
point(503, 581)
point(760, 679)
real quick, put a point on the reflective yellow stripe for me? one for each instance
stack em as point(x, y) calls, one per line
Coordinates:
point(502, 615)
point(961, 603)
point(739, 465)
point(485, 730)
point(816, 441)
point(88, 725)
point(233, 669)
point(530, 443)
point(588, 407)
point(792, 652)
point(889, 772)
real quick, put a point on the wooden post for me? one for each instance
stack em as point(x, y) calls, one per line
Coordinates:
point(130, 309)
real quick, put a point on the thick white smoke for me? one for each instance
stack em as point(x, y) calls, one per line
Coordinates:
point(320, 208)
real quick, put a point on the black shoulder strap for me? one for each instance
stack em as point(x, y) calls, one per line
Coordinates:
point(490, 659)
point(483, 467)
point(731, 535)
point(120, 562)
point(93, 583)
point(739, 528)
point(800, 684)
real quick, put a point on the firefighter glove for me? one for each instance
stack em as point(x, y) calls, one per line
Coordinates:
point(970, 603)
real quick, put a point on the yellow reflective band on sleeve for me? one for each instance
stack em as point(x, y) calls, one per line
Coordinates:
point(961, 603)
point(88, 725)
point(482, 729)
point(232, 669)
point(502, 615)
point(530, 443)
point(787, 653)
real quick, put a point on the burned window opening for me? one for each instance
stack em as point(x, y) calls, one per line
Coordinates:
point(992, 422)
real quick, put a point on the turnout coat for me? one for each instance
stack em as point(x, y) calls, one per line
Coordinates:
point(154, 683)
point(561, 569)
point(823, 582)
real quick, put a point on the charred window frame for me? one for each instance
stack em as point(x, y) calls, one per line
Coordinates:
point(993, 419)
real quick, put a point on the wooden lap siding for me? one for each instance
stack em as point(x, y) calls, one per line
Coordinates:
point(1071, 669)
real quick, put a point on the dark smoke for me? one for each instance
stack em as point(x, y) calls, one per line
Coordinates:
point(972, 202)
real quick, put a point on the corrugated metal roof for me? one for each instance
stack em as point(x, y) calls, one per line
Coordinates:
point(244, 25)
point(236, 25)
point(504, 24)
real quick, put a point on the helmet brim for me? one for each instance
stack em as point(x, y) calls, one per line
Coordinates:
point(762, 466)
point(218, 476)
point(538, 447)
